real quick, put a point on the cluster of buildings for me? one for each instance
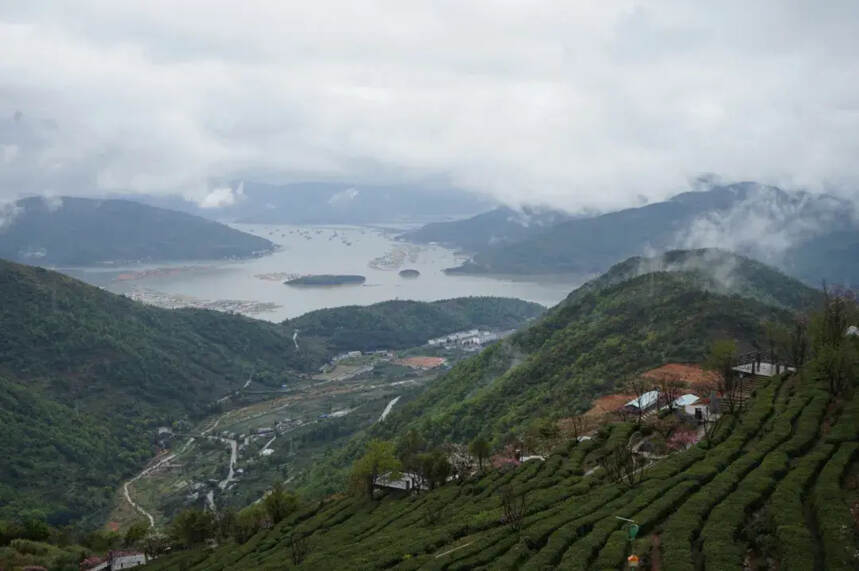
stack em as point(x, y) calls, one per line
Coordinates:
point(115, 560)
point(470, 339)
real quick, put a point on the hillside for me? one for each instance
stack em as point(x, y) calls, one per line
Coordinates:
point(717, 271)
point(625, 322)
point(583, 348)
point(86, 376)
point(80, 231)
point(769, 483)
point(808, 236)
point(400, 324)
point(765, 487)
point(499, 226)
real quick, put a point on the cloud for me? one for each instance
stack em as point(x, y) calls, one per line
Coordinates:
point(343, 198)
point(223, 196)
point(8, 212)
point(766, 222)
point(586, 105)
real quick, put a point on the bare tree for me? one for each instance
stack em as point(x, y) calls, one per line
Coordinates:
point(639, 386)
point(624, 466)
point(671, 388)
point(298, 547)
point(513, 504)
point(575, 426)
point(730, 383)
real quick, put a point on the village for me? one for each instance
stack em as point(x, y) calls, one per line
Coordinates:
point(678, 404)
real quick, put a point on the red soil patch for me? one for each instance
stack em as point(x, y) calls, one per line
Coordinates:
point(608, 403)
point(422, 362)
point(689, 374)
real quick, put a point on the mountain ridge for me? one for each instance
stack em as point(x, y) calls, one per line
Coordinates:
point(69, 231)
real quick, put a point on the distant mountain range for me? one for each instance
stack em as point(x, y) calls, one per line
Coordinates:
point(331, 203)
point(812, 237)
point(497, 227)
point(82, 231)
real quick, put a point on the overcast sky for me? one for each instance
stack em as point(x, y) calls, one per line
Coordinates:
point(576, 104)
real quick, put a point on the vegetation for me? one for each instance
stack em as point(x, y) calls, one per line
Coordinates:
point(88, 376)
point(82, 231)
point(326, 280)
point(400, 324)
point(735, 498)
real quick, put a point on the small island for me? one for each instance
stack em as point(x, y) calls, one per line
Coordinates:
point(326, 280)
point(410, 274)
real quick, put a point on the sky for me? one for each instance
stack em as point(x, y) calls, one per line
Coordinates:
point(578, 105)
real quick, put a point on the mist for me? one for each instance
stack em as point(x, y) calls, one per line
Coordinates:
point(585, 106)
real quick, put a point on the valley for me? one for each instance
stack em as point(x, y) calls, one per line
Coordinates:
point(228, 460)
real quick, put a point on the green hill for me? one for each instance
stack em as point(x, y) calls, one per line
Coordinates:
point(401, 324)
point(586, 346)
point(624, 322)
point(772, 483)
point(86, 376)
point(82, 231)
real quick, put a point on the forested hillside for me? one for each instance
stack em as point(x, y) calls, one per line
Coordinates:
point(400, 324)
point(80, 231)
point(86, 376)
point(586, 346)
point(624, 322)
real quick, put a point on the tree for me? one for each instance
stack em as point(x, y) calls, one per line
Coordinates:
point(639, 386)
point(378, 460)
point(279, 503)
point(226, 523)
point(434, 468)
point(155, 544)
point(135, 534)
point(624, 466)
point(298, 547)
point(722, 360)
point(193, 527)
point(479, 448)
point(575, 426)
point(671, 387)
point(409, 446)
point(250, 521)
point(513, 503)
point(798, 342)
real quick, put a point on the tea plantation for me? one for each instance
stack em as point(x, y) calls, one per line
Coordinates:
point(770, 488)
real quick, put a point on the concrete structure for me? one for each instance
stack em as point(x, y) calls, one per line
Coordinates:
point(406, 481)
point(763, 369)
point(114, 561)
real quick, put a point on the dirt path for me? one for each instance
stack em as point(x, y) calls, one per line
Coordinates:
point(146, 471)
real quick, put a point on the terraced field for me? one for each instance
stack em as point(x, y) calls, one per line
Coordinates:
point(766, 491)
